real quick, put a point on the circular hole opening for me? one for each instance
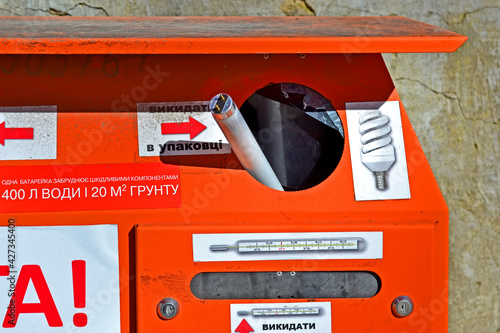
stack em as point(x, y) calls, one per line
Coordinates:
point(299, 131)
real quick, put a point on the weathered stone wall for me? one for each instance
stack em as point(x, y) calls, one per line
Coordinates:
point(452, 99)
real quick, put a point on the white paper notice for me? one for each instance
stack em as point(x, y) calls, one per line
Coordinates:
point(287, 246)
point(378, 125)
point(59, 279)
point(314, 317)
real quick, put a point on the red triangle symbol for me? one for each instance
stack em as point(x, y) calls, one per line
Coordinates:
point(244, 327)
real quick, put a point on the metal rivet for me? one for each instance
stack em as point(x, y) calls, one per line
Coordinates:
point(292, 273)
point(279, 273)
point(265, 56)
point(402, 306)
point(168, 308)
point(302, 56)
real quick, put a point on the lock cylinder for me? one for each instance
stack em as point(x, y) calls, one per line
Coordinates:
point(167, 308)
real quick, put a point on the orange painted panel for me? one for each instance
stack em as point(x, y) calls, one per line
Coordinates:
point(165, 268)
point(98, 93)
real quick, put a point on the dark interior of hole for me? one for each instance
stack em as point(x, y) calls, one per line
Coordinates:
point(287, 285)
point(309, 149)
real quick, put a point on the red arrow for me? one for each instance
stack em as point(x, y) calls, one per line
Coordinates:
point(14, 133)
point(193, 127)
point(244, 327)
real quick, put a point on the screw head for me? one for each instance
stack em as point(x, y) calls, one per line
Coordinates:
point(402, 306)
point(168, 308)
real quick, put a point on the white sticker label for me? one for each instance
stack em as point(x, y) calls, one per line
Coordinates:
point(28, 133)
point(315, 317)
point(179, 128)
point(59, 279)
point(287, 246)
point(378, 155)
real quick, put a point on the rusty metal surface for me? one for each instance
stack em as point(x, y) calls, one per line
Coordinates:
point(213, 27)
point(143, 35)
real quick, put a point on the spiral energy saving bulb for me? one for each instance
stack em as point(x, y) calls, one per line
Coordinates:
point(377, 152)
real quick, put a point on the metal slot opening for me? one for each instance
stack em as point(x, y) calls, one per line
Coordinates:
point(284, 285)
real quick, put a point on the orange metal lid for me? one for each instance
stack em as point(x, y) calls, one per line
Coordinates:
point(221, 35)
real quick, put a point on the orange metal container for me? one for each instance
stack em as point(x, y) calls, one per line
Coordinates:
point(95, 71)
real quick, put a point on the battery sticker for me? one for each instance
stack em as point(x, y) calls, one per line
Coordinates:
point(286, 246)
point(279, 317)
point(377, 151)
point(89, 187)
point(179, 128)
point(28, 133)
point(59, 279)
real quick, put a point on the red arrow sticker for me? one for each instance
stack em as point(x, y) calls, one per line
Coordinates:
point(244, 327)
point(14, 133)
point(193, 128)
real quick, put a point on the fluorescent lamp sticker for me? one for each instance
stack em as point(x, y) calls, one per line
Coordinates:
point(287, 246)
point(270, 317)
point(378, 155)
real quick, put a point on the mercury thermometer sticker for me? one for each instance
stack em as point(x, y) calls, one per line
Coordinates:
point(279, 317)
point(286, 246)
point(292, 245)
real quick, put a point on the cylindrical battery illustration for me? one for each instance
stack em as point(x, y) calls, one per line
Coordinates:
point(242, 141)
